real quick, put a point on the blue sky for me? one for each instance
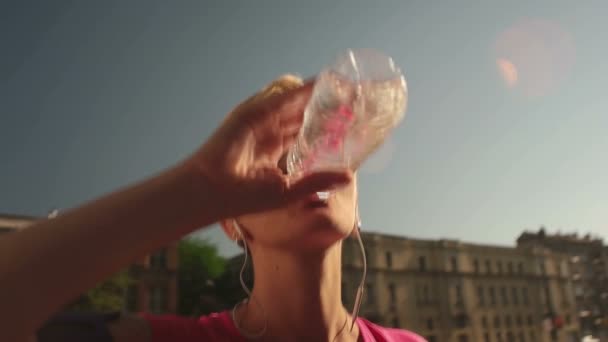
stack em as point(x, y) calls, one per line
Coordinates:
point(97, 94)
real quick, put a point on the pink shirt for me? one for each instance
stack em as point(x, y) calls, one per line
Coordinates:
point(219, 327)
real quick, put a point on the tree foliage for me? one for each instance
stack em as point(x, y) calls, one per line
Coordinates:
point(107, 296)
point(199, 266)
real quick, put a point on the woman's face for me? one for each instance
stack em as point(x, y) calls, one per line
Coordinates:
point(305, 224)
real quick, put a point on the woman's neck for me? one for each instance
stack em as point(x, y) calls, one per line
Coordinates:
point(300, 296)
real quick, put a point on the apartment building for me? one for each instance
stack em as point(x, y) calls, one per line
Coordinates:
point(588, 262)
point(447, 290)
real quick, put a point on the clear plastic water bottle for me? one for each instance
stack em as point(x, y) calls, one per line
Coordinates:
point(355, 104)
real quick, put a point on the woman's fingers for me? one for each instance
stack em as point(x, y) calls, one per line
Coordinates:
point(288, 106)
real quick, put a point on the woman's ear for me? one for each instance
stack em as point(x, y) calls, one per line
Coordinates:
point(233, 232)
point(230, 230)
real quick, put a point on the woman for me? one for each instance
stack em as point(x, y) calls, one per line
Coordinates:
point(237, 178)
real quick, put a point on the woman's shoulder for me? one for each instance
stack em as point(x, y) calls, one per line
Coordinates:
point(212, 327)
point(383, 334)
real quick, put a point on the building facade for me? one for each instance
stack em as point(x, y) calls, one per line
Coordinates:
point(452, 291)
point(154, 287)
point(588, 261)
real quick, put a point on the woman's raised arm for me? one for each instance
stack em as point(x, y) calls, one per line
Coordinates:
point(233, 173)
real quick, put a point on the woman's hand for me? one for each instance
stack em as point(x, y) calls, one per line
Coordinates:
point(241, 159)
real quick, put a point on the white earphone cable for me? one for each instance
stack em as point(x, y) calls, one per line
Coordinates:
point(249, 335)
point(360, 290)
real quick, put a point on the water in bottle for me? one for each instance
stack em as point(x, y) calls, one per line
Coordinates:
point(355, 104)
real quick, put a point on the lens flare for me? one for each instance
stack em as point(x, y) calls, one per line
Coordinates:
point(535, 56)
point(507, 71)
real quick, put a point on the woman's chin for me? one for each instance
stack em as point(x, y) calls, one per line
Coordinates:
point(321, 234)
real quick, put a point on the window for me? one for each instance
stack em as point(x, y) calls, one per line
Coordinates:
point(486, 337)
point(578, 291)
point(498, 337)
point(395, 322)
point(454, 264)
point(522, 338)
point(564, 293)
point(532, 336)
point(508, 322)
point(476, 266)
point(510, 336)
point(392, 294)
point(429, 324)
point(510, 267)
point(481, 296)
point(484, 322)
point(461, 321)
point(515, 296)
point(422, 294)
point(543, 296)
point(499, 267)
point(524, 295)
point(542, 267)
point(458, 292)
point(530, 320)
point(492, 295)
point(422, 263)
point(463, 338)
point(158, 260)
point(518, 320)
point(389, 259)
point(369, 290)
point(520, 268)
point(563, 269)
point(496, 322)
point(158, 299)
point(431, 338)
point(503, 296)
point(488, 266)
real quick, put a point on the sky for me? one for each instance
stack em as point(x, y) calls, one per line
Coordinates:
point(505, 127)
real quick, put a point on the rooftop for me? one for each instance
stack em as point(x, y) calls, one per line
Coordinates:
point(10, 222)
point(573, 238)
point(17, 217)
point(450, 243)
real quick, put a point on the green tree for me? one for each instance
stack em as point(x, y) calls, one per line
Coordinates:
point(228, 285)
point(199, 266)
point(107, 296)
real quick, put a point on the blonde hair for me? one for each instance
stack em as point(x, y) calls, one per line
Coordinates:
point(279, 86)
